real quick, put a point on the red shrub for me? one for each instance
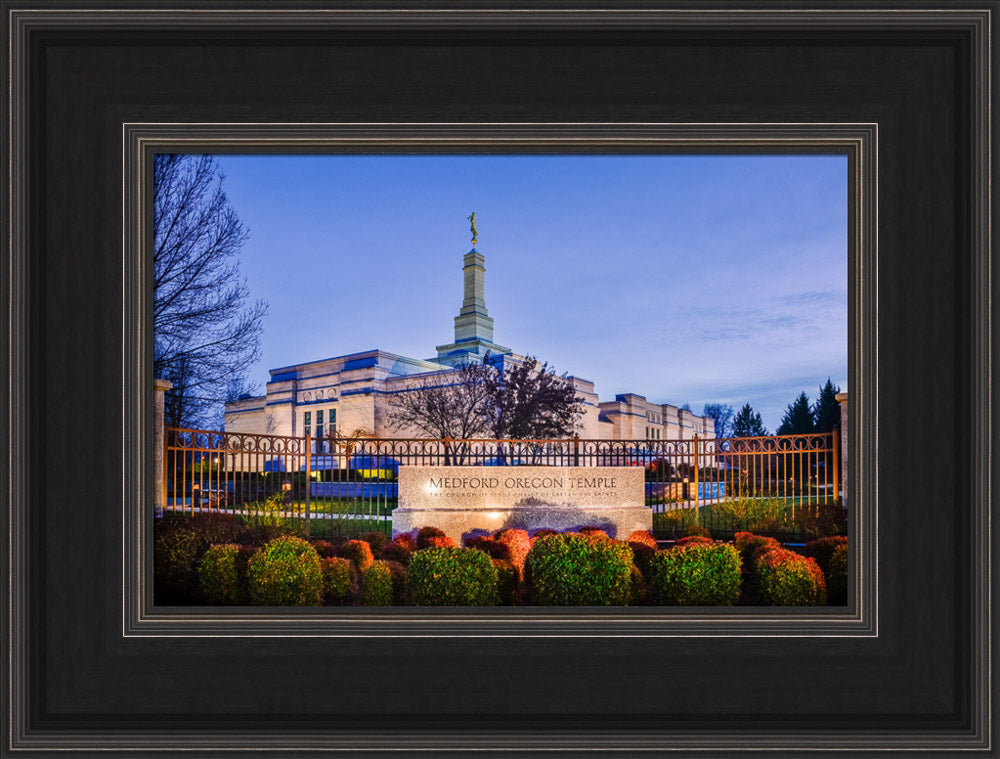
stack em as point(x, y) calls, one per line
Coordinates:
point(644, 537)
point(491, 547)
point(425, 534)
point(325, 548)
point(519, 545)
point(398, 550)
point(439, 541)
point(405, 539)
point(695, 539)
point(359, 553)
point(594, 532)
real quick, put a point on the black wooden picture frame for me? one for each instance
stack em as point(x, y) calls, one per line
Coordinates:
point(92, 88)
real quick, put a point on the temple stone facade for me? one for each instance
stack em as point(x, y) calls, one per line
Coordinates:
point(351, 392)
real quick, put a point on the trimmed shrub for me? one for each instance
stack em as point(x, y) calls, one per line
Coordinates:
point(491, 547)
point(405, 539)
point(285, 572)
point(822, 550)
point(340, 580)
point(222, 574)
point(785, 578)
point(642, 554)
point(376, 540)
point(376, 585)
point(577, 570)
point(637, 587)
point(518, 542)
point(697, 529)
point(175, 560)
point(440, 541)
point(750, 546)
point(425, 534)
point(324, 548)
point(400, 582)
point(836, 576)
point(542, 533)
point(696, 574)
point(449, 576)
point(643, 537)
point(595, 532)
point(359, 553)
point(508, 582)
point(397, 550)
point(690, 539)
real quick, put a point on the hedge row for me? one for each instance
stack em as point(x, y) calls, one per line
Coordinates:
point(508, 568)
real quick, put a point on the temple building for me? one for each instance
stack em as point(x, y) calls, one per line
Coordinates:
point(352, 393)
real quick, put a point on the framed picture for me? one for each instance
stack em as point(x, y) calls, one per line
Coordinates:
point(96, 93)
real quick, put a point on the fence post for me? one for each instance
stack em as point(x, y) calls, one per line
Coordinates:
point(835, 478)
point(308, 477)
point(697, 466)
point(576, 450)
point(160, 387)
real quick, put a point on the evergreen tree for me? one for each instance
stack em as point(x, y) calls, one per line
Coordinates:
point(798, 418)
point(747, 423)
point(826, 412)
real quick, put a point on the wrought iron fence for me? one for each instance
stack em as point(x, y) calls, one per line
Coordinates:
point(348, 486)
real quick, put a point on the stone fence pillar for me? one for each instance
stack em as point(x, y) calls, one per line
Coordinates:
point(159, 438)
point(842, 400)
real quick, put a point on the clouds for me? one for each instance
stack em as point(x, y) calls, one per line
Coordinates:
point(684, 278)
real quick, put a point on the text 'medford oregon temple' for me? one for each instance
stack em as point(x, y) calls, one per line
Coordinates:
point(352, 392)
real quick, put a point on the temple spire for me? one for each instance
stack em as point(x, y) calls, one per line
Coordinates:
point(473, 325)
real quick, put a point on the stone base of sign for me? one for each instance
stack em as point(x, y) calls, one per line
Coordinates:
point(465, 501)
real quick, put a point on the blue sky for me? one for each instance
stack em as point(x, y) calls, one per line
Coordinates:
point(681, 278)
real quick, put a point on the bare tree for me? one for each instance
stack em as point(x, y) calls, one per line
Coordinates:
point(454, 405)
point(206, 336)
point(519, 401)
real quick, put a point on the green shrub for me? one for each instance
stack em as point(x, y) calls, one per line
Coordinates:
point(696, 574)
point(449, 576)
point(576, 570)
point(376, 585)
point(222, 574)
point(836, 576)
point(508, 582)
point(822, 550)
point(675, 522)
point(638, 591)
point(175, 561)
point(340, 580)
point(359, 553)
point(285, 572)
point(785, 578)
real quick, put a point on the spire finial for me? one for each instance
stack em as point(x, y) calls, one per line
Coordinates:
point(472, 220)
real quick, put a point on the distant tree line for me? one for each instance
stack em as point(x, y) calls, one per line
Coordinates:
point(800, 417)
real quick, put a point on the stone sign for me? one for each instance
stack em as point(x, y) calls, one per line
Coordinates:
point(463, 500)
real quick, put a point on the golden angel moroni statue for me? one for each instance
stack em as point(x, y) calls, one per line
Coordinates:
point(472, 221)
